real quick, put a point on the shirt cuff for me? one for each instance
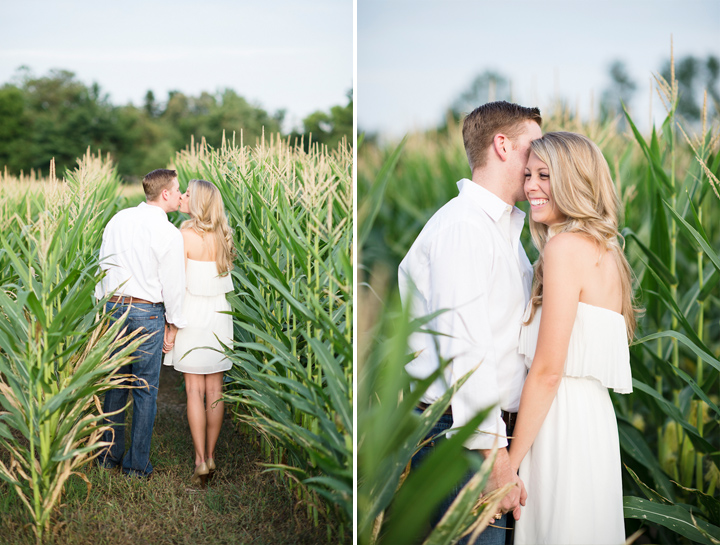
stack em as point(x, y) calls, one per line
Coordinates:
point(485, 438)
point(178, 320)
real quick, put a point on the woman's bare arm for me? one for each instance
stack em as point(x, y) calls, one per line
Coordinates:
point(562, 282)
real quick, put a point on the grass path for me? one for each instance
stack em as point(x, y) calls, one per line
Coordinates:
point(242, 505)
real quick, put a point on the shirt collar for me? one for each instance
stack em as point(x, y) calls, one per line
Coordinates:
point(154, 209)
point(493, 205)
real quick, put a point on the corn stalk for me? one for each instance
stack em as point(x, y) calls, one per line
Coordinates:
point(56, 346)
point(292, 376)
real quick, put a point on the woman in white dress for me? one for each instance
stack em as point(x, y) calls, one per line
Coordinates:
point(575, 340)
point(197, 351)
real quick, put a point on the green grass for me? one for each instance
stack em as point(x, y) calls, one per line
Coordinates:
point(243, 504)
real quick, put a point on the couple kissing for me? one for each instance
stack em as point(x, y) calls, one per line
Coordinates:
point(171, 285)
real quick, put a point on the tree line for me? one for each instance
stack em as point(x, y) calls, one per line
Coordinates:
point(694, 76)
point(57, 116)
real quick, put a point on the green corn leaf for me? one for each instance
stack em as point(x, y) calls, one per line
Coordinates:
point(650, 494)
point(695, 388)
point(692, 234)
point(698, 224)
point(651, 155)
point(632, 442)
point(708, 358)
point(432, 480)
point(335, 383)
point(667, 298)
point(672, 517)
point(460, 513)
point(663, 366)
point(403, 432)
point(710, 504)
point(370, 208)
point(701, 444)
point(658, 266)
point(709, 285)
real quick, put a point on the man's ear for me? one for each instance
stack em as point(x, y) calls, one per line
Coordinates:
point(501, 144)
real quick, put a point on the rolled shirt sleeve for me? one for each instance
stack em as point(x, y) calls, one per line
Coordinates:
point(171, 273)
point(462, 259)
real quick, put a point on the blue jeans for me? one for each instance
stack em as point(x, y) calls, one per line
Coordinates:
point(146, 365)
point(495, 533)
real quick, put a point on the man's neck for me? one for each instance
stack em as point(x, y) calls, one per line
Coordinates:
point(493, 182)
point(159, 204)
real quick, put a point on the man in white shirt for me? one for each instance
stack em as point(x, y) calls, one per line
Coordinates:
point(468, 259)
point(142, 254)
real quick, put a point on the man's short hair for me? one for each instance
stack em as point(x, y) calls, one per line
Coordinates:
point(483, 123)
point(156, 181)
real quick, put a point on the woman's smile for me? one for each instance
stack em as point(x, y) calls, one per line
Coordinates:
point(538, 191)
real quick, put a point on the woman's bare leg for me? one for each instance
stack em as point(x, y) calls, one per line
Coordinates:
point(215, 408)
point(195, 390)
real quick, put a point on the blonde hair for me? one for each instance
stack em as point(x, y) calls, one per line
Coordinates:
point(584, 193)
point(207, 216)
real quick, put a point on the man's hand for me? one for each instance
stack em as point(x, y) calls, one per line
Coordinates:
point(169, 339)
point(523, 499)
point(502, 474)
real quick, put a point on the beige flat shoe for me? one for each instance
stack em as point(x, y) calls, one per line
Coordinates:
point(200, 476)
point(211, 468)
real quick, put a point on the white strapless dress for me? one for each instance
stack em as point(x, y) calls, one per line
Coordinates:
point(572, 472)
point(206, 326)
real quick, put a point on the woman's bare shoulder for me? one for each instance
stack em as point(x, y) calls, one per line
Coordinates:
point(568, 260)
point(575, 251)
point(568, 244)
point(189, 232)
point(190, 236)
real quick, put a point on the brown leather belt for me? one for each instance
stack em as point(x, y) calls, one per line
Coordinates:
point(129, 300)
point(422, 406)
point(508, 418)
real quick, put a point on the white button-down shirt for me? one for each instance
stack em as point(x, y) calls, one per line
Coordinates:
point(143, 254)
point(468, 259)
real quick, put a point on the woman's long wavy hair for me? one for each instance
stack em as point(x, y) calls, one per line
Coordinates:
point(207, 217)
point(584, 193)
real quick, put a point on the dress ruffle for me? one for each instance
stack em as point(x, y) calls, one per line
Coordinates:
point(199, 346)
point(598, 347)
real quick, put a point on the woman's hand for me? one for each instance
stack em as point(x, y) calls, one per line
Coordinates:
point(169, 339)
point(502, 474)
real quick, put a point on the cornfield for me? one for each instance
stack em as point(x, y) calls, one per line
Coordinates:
point(291, 382)
point(669, 432)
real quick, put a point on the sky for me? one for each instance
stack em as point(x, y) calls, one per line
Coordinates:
point(278, 54)
point(415, 57)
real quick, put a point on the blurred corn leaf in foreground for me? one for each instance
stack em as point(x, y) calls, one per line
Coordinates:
point(394, 504)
